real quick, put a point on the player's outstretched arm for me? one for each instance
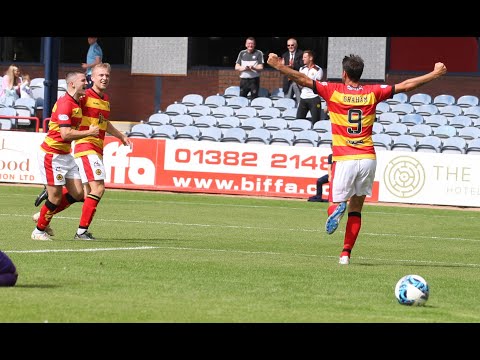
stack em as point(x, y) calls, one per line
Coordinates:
point(413, 83)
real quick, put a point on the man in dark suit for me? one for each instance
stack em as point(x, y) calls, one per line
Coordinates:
point(293, 58)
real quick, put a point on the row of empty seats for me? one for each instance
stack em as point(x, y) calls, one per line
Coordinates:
point(434, 144)
point(247, 123)
point(264, 136)
point(418, 99)
point(21, 107)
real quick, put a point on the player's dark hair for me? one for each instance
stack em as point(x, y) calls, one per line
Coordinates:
point(353, 66)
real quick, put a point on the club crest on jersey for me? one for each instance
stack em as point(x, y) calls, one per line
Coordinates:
point(59, 177)
point(101, 118)
point(98, 172)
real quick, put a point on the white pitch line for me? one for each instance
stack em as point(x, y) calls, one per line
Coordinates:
point(319, 230)
point(80, 250)
point(240, 252)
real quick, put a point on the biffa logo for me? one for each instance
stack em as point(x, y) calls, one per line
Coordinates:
point(125, 169)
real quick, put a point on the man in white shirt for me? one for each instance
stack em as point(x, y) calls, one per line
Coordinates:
point(309, 101)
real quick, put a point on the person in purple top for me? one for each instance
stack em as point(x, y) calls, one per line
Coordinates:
point(8, 271)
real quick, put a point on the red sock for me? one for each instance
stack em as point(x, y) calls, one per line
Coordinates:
point(331, 209)
point(354, 223)
point(46, 214)
point(88, 210)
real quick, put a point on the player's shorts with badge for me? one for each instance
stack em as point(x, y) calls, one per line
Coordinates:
point(91, 167)
point(56, 168)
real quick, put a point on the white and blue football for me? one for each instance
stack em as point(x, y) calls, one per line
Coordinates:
point(412, 290)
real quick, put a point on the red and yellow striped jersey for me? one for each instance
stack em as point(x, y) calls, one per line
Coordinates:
point(65, 112)
point(96, 111)
point(352, 113)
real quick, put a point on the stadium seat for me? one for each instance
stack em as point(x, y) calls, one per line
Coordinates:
point(453, 145)
point(237, 102)
point(259, 136)
point(466, 101)
point(164, 132)
point(429, 144)
point(427, 110)
point(199, 110)
point(181, 120)
point(289, 114)
point(145, 129)
point(192, 100)
point(382, 107)
point(283, 137)
point(269, 113)
point(205, 121)
point(382, 142)
point(260, 103)
point(234, 135)
point(460, 121)
point(388, 118)
point(276, 124)
point(402, 109)
point(251, 123)
point(231, 91)
point(228, 122)
point(214, 101)
point(411, 119)
point(188, 133)
point(325, 139)
point(420, 130)
point(322, 126)
point(306, 138)
point(395, 129)
point(472, 112)
point(399, 98)
point(176, 109)
point(404, 143)
point(300, 125)
point(419, 99)
point(246, 112)
point(284, 103)
point(211, 134)
point(473, 148)
point(435, 120)
point(444, 131)
point(377, 128)
point(223, 111)
point(469, 133)
point(451, 110)
point(443, 100)
point(159, 119)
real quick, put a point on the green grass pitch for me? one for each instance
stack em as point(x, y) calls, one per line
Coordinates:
point(193, 258)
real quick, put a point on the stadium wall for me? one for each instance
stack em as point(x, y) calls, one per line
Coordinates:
point(135, 97)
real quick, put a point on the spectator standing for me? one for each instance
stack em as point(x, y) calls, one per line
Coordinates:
point(249, 63)
point(309, 101)
point(56, 163)
point(351, 108)
point(293, 59)
point(8, 271)
point(94, 57)
point(10, 85)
